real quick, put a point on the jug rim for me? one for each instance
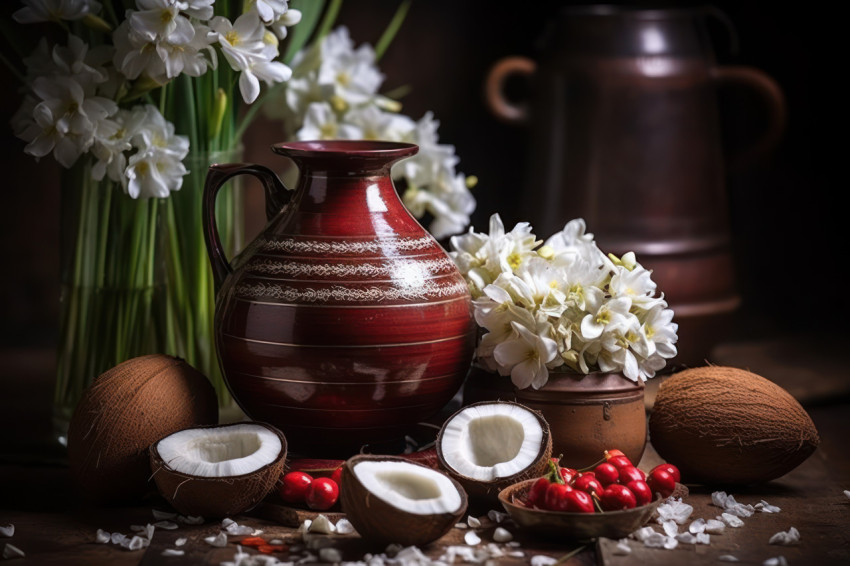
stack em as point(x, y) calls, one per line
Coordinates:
point(345, 148)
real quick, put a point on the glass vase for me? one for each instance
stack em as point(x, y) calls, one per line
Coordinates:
point(136, 279)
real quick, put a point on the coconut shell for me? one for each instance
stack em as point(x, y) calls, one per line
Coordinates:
point(381, 523)
point(727, 426)
point(216, 496)
point(489, 490)
point(122, 412)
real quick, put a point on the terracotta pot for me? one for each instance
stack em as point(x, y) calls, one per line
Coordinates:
point(344, 323)
point(586, 413)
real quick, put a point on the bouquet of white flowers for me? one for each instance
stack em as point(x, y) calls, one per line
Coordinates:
point(562, 304)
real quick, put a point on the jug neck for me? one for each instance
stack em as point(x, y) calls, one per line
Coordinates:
point(345, 158)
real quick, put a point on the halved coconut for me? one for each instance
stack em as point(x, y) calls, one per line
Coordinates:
point(218, 471)
point(390, 499)
point(490, 445)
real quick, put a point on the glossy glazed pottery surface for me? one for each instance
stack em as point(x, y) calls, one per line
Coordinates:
point(344, 323)
point(587, 414)
point(625, 132)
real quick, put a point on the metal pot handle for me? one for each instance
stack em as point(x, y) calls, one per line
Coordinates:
point(501, 107)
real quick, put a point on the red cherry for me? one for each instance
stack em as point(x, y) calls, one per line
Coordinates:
point(630, 473)
point(556, 497)
point(537, 494)
point(579, 502)
point(662, 482)
point(606, 473)
point(616, 497)
point(613, 452)
point(588, 483)
point(336, 475)
point(643, 495)
point(670, 469)
point(568, 474)
point(294, 486)
point(620, 462)
point(323, 494)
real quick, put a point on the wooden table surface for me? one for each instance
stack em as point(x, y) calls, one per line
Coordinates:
point(53, 527)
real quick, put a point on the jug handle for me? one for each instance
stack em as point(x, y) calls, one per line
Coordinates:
point(772, 93)
point(276, 195)
point(501, 107)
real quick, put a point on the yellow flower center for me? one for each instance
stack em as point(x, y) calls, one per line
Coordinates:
point(232, 37)
point(514, 260)
point(343, 78)
point(603, 317)
point(328, 131)
point(166, 16)
point(142, 168)
point(649, 331)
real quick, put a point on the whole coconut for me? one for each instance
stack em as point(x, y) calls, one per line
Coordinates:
point(123, 412)
point(727, 426)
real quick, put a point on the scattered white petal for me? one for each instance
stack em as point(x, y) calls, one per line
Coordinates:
point(163, 515)
point(219, 540)
point(686, 538)
point(674, 510)
point(657, 540)
point(135, 543)
point(11, 551)
point(496, 516)
point(473, 522)
point(305, 526)
point(321, 525)
point(643, 533)
point(671, 529)
point(786, 538)
point(728, 558)
point(461, 526)
point(502, 535)
point(714, 527)
point(516, 554)
point(173, 552)
point(471, 538)
point(847, 493)
point(776, 561)
point(718, 499)
point(167, 525)
point(102, 537)
point(344, 527)
point(514, 544)
point(453, 554)
point(542, 560)
point(233, 528)
point(7, 531)
point(731, 520)
point(117, 538)
point(190, 520)
point(330, 555)
point(697, 526)
point(181, 541)
point(740, 510)
point(622, 548)
point(703, 538)
point(146, 530)
point(765, 507)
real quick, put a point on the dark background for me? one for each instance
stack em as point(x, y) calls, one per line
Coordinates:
point(785, 213)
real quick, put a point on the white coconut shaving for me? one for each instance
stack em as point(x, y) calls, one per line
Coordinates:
point(502, 535)
point(714, 527)
point(7, 531)
point(542, 560)
point(190, 520)
point(728, 558)
point(144, 530)
point(847, 493)
point(330, 555)
point(473, 522)
point(622, 548)
point(471, 538)
point(10, 552)
point(775, 561)
point(496, 516)
point(697, 526)
point(181, 541)
point(344, 527)
point(102, 537)
point(731, 520)
point(160, 515)
point(135, 543)
point(219, 540)
point(731, 506)
point(461, 526)
point(173, 552)
point(686, 538)
point(786, 538)
point(765, 507)
point(670, 528)
point(674, 510)
point(117, 538)
point(321, 525)
point(231, 527)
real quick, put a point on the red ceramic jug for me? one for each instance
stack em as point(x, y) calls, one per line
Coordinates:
point(625, 132)
point(344, 323)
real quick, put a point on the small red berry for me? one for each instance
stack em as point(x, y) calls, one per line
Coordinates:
point(643, 495)
point(616, 497)
point(606, 473)
point(662, 482)
point(294, 486)
point(670, 469)
point(630, 473)
point(556, 497)
point(323, 494)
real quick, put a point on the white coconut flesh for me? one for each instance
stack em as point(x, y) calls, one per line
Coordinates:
point(216, 452)
point(411, 488)
point(487, 442)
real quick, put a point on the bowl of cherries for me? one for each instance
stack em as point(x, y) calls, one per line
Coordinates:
point(612, 498)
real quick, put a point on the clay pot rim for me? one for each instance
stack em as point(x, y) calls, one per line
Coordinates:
point(569, 381)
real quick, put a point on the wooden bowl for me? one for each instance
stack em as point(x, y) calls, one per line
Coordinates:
point(573, 526)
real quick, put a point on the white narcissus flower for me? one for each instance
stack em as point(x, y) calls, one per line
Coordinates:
point(288, 19)
point(321, 123)
point(200, 9)
point(352, 72)
point(603, 316)
point(525, 357)
point(54, 10)
point(156, 168)
point(161, 20)
point(506, 251)
point(268, 10)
